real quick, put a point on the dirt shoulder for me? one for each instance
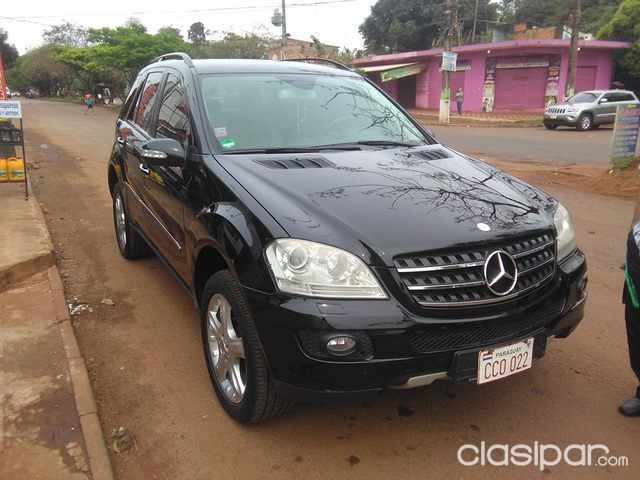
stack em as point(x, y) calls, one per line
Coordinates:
point(624, 184)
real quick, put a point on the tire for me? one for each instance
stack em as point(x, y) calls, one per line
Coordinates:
point(550, 127)
point(130, 243)
point(585, 122)
point(237, 367)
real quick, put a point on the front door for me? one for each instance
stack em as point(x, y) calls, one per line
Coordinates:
point(407, 91)
point(165, 187)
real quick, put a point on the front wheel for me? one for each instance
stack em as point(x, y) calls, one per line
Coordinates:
point(236, 364)
point(584, 122)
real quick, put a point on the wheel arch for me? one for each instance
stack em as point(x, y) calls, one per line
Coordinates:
point(207, 261)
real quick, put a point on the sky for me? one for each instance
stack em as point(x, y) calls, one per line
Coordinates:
point(334, 22)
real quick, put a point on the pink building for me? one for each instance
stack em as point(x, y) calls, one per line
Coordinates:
point(501, 76)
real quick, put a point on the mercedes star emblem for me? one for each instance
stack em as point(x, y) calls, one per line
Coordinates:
point(500, 273)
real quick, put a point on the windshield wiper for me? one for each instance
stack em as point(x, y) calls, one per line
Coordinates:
point(384, 143)
point(294, 149)
point(373, 143)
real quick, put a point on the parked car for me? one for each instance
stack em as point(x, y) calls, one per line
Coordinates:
point(586, 110)
point(332, 246)
point(32, 93)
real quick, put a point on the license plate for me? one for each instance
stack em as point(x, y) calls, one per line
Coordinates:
point(553, 117)
point(502, 362)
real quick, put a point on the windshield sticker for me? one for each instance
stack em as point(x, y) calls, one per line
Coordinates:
point(220, 132)
point(228, 142)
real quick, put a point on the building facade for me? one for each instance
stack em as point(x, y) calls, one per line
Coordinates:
point(499, 76)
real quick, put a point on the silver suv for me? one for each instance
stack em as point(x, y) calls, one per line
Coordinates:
point(588, 109)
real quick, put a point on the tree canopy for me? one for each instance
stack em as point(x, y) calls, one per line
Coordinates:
point(8, 51)
point(625, 26)
point(406, 25)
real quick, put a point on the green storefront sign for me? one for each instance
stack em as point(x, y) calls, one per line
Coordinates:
point(400, 72)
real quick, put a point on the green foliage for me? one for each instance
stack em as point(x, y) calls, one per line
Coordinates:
point(625, 26)
point(197, 33)
point(595, 13)
point(126, 49)
point(8, 51)
point(66, 34)
point(232, 45)
point(405, 25)
point(37, 68)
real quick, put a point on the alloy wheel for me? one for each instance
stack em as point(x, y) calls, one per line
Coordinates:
point(226, 350)
point(121, 221)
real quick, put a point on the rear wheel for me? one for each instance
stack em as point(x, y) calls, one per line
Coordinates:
point(584, 122)
point(236, 364)
point(130, 243)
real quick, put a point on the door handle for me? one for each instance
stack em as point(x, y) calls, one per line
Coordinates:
point(120, 140)
point(143, 168)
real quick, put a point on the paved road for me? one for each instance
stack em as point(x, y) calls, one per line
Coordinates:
point(146, 363)
point(561, 146)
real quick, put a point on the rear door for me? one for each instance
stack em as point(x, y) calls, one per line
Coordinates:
point(133, 132)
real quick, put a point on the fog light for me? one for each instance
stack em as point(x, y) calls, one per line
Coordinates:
point(342, 345)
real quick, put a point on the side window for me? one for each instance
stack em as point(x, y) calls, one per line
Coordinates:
point(142, 114)
point(130, 103)
point(611, 97)
point(628, 98)
point(173, 121)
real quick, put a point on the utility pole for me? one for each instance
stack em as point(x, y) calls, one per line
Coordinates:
point(445, 92)
point(573, 49)
point(284, 30)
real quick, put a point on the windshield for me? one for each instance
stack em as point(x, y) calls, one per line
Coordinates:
point(583, 97)
point(272, 111)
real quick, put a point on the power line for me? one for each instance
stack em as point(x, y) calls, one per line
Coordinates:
point(181, 12)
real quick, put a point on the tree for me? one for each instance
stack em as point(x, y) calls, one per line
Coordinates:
point(625, 26)
point(37, 68)
point(197, 33)
point(232, 45)
point(8, 51)
point(66, 34)
point(127, 49)
point(595, 13)
point(405, 25)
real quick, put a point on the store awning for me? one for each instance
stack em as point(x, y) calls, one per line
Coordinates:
point(393, 72)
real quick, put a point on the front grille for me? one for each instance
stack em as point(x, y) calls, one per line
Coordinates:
point(457, 337)
point(456, 279)
point(556, 110)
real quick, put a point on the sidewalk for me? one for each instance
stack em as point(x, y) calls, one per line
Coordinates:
point(480, 118)
point(50, 428)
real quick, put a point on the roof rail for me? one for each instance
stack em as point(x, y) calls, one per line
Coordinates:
point(317, 59)
point(174, 56)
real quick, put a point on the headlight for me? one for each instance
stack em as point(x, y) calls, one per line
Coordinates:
point(307, 268)
point(571, 110)
point(564, 230)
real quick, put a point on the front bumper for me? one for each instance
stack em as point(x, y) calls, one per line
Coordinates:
point(566, 119)
point(401, 349)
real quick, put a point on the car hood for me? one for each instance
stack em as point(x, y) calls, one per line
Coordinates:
point(381, 203)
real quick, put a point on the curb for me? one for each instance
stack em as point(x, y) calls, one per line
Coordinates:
point(97, 453)
point(19, 271)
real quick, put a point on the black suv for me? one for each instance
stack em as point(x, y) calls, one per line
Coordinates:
point(332, 246)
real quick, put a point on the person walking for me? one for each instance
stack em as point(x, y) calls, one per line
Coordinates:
point(459, 100)
point(631, 407)
point(88, 100)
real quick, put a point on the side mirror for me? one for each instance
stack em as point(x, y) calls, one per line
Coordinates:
point(165, 152)
point(603, 100)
